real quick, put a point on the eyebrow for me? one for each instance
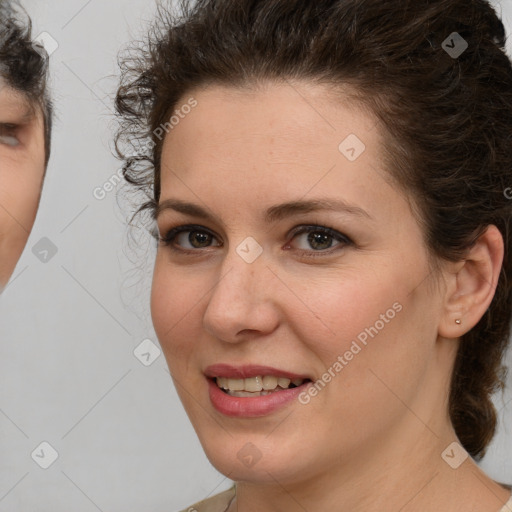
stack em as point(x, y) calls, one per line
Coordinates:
point(28, 115)
point(18, 105)
point(19, 113)
point(273, 213)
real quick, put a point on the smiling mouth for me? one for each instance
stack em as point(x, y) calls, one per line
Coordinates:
point(257, 386)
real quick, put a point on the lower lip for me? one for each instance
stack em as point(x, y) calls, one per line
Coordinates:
point(252, 407)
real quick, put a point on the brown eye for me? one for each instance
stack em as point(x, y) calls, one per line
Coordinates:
point(320, 240)
point(9, 135)
point(196, 235)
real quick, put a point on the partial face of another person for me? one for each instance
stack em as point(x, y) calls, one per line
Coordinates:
point(22, 166)
point(339, 294)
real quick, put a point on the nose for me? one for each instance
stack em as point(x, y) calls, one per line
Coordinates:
point(243, 302)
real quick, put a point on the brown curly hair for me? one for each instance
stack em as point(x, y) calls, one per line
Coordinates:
point(447, 123)
point(23, 64)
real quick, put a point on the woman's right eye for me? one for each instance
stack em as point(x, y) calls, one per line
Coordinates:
point(198, 238)
point(9, 135)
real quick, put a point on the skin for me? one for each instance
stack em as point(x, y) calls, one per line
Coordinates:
point(22, 166)
point(372, 439)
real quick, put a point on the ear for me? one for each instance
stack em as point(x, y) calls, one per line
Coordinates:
point(471, 284)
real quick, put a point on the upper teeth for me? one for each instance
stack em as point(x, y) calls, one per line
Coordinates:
point(254, 384)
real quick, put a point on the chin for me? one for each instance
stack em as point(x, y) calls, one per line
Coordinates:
point(242, 460)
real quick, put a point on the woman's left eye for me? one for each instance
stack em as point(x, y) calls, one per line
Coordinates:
point(319, 239)
point(8, 135)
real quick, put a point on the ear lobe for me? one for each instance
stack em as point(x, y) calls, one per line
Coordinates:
point(472, 284)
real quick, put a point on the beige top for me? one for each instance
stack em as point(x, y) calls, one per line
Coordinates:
point(220, 503)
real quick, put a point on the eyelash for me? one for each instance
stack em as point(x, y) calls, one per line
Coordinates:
point(170, 236)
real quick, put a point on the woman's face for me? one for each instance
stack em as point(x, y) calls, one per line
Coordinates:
point(252, 287)
point(22, 164)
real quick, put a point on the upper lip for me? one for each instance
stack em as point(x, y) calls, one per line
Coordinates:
point(247, 371)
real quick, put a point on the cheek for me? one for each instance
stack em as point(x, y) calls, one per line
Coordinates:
point(175, 301)
point(344, 306)
point(19, 198)
point(20, 190)
point(367, 321)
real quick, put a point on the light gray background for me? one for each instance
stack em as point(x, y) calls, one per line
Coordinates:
point(69, 326)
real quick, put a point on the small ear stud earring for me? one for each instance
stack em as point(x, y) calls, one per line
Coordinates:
point(457, 321)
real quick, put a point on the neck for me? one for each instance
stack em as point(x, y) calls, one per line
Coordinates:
point(406, 482)
point(405, 472)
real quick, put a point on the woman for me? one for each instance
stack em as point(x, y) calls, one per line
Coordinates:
point(332, 287)
point(25, 130)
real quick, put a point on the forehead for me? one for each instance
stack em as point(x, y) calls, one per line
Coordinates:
point(285, 141)
point(293, 121)
point(15, 104)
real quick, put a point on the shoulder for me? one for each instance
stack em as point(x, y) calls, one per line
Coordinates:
point(217, 503)
point(508, 506)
